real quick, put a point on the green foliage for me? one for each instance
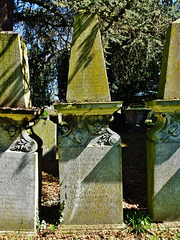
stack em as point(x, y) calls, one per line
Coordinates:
point(133, 33)
point(165, 233)
point(139, 222)
point(52, 228)
point(40, 75)
point(42, 226)
point(136, 48)
point(47, 32)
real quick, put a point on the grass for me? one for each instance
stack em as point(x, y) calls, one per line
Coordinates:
point(138, 221)
point(142, 226)
point(139, 226)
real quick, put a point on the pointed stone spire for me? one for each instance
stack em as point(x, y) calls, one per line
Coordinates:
point(87, 73)
point(169, 83)
point(14, 72)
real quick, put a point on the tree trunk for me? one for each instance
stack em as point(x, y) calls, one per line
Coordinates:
point(6, 15)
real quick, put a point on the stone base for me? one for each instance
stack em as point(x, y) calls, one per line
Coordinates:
point(85, 228)
point(18, 191)
point(163, 163)
point(91, 185)
point(163, 171)
point(90, 167)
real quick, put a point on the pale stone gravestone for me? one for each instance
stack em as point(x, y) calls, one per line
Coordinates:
point(47, 131)
point(19, 187)
point(89, 152)
point(18, 181)
point(163, 144)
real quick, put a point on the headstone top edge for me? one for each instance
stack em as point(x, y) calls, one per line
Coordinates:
point(20, 110)
point(99, 108)
point(18, 114)
point(164, 105)
point(88, 105)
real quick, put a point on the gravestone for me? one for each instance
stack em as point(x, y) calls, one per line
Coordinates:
point(19, 187)
point(163, 144)
point(89, 152)
point(19, 181)
point(46, 130)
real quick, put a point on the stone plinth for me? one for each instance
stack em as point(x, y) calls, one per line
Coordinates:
point(19, 191)
point(18, 172)
point(90, 168)
point(88, 109)
point(169, 87)
point(22, 116)
point(14, 72)
point(163, 161)
point(91, 185)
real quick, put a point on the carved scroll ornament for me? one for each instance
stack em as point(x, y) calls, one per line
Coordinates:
point(167, 128)
point(24, 144)
point(87, 132)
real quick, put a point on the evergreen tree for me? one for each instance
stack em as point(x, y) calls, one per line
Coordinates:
point(133, 33)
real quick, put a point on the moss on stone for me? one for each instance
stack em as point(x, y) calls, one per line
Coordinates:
point(87, 73)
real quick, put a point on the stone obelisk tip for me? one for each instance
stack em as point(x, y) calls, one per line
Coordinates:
point(87, 81)
point(14, 72)
point(169, 83)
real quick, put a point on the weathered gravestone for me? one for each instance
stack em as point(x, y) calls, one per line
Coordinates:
point(18, 157)
point(89, 152)
point(46, 130)
point(163, 144)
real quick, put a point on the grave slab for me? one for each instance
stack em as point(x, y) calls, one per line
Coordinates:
point(163, 168)
point(90, 173)
point(18, 184)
